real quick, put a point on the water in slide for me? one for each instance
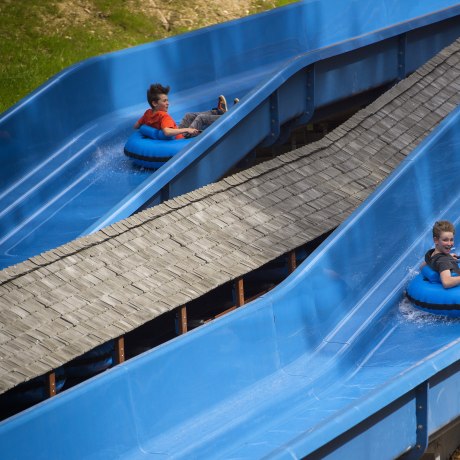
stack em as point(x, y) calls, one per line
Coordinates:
point(334, 345)
point(291, 373)
point(61, 147)
point(333, 363)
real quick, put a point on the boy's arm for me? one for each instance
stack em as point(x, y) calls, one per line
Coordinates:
point(176, 131)
point(449, 281)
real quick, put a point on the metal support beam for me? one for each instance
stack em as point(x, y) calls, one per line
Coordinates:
point(310, 97)
point(51, 383)
point(182, 318)
point(402, 44)
point(275, 128)
point(421, 444)
point(120, 350)
point(291, 261)
point(310, 77)
point(239, 291)
point(274, 116)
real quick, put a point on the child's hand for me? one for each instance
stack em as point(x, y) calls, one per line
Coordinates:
point(192, 132)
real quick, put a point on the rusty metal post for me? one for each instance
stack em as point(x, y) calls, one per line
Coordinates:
point(51, 383)
point(182, 316)
point(239, 290)
point(120, 350)
point(292, 263)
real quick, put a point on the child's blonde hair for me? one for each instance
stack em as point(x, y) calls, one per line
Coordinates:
point(442, 226)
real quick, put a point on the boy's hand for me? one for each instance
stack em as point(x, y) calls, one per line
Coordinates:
point(193, 131)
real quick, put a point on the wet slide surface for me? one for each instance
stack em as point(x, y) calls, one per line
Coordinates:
point(285, 376)
point(64, 170)
point(290, 375)
point(57, 200)
point(341, 340)
point(310, 401)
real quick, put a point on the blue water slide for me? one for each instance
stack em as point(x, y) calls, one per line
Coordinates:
point(333, 363)
point(64, 173)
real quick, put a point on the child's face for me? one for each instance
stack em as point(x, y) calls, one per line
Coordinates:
point(162, 103)
point(445, 242)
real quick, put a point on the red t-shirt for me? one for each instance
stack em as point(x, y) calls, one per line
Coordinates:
point(158, 120)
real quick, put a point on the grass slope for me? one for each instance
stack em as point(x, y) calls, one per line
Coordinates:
point(41, 37)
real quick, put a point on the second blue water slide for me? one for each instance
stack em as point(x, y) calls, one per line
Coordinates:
point(63, 172)
point(333, 363)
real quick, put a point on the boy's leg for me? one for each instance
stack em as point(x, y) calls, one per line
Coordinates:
point(203, 120)
point(188, 119)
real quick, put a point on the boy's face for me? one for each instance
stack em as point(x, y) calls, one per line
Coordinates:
point(162, 103)
point(445, 242)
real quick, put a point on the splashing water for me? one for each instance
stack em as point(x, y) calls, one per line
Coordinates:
point(109, 159)
point(408, 312)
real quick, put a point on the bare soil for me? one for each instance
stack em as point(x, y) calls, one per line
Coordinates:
point(171, 13)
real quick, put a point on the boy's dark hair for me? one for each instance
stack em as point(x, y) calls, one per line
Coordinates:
point(153, 93)
point(442, 226)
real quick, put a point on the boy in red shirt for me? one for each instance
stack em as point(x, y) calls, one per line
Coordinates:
point(158, 117)
point(192, 123)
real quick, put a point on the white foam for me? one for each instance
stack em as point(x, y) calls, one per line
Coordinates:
point(408, 312)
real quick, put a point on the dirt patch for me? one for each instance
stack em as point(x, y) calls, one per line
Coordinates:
point(79, 13)
point(197, 13)
point(172, 14)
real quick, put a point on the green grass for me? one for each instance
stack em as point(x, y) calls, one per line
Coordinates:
point(32, 51)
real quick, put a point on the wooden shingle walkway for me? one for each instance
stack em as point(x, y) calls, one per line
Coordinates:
point(58, 305)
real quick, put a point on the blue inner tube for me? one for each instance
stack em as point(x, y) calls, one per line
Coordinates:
point(427, 293)
point(150, 148)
